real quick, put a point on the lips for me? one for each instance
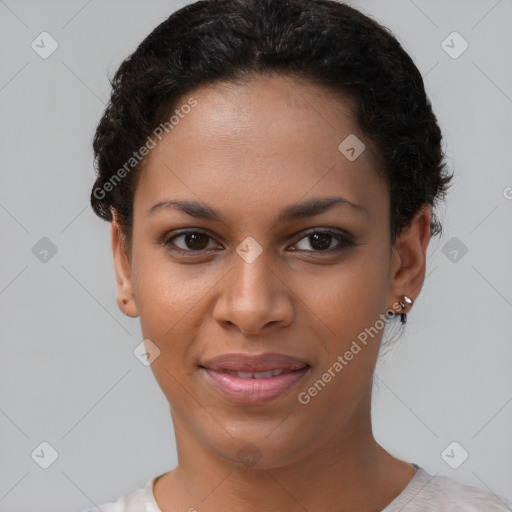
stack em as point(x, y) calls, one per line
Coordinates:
point(246, 379)
point(258, 375)
point(259, 363)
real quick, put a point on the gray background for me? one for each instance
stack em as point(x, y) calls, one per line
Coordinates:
point(68, 375)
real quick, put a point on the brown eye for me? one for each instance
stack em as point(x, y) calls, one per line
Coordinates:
point(191, 241)
point(319, 241)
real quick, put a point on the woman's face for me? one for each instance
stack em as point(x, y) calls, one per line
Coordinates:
point(256, 276)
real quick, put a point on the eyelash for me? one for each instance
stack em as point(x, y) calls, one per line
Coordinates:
point(344, 240)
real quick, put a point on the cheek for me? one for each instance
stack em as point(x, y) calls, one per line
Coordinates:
point(351, 306)
point(354, 311)
point(165, 294)
point(351, 297)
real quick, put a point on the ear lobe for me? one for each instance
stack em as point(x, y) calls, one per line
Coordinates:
point(125, 296)
point(410, 252)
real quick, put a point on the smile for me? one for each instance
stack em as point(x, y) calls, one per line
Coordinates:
point(254, 388)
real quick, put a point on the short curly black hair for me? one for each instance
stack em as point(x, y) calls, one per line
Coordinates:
point(323, 41)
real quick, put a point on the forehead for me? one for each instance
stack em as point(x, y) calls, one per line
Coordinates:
point(273, 140)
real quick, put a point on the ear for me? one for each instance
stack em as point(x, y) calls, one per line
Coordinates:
point(409, 258)
point(125, 296)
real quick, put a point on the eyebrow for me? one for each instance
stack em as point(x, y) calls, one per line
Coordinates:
point(290, 213)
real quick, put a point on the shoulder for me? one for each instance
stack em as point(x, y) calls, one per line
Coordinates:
point(140, 500)
point(429, 493)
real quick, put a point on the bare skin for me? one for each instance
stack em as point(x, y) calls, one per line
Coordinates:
point(248, 151)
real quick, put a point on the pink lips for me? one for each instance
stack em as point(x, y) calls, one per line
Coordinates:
point(253, 380)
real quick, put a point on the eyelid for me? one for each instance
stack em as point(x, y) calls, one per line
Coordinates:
point(166, 239)
point(336, 232)
point(344, 238)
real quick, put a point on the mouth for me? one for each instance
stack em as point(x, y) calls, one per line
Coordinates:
point(254, 380)
point(258, 375)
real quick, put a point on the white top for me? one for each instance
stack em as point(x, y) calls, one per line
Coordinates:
point(424, 493)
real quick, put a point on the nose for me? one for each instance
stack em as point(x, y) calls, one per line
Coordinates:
point(254, 296)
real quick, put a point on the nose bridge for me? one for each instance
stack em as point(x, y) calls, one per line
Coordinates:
point(252, 296)
point(251, 274)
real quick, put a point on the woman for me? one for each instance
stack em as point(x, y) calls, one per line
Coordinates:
point(270, 170)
